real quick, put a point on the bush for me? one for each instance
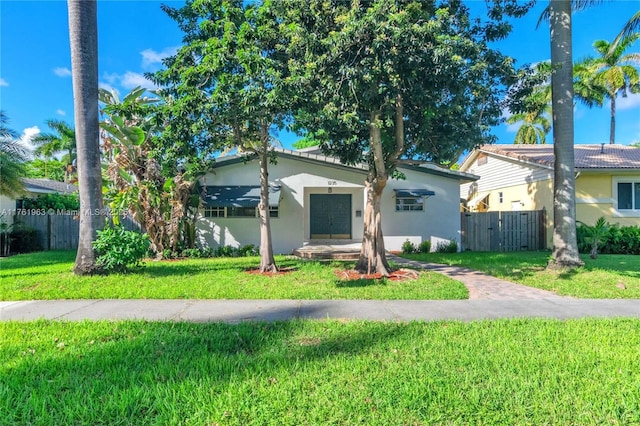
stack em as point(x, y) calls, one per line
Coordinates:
point(53, 202)
point(248, 250)
point(24, 239)
point(616, 240)
point(118, 248)
point(425, 246)
point(447, 247)
point(408, 247)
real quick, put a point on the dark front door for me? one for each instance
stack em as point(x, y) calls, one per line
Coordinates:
point(330, 216)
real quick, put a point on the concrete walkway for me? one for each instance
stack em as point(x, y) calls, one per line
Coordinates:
point(489, 298)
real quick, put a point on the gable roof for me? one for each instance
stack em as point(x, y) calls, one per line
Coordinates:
point(48, 186)
point(586, 157)
point(313, 155)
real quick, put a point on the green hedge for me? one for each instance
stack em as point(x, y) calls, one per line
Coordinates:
point(617, 240)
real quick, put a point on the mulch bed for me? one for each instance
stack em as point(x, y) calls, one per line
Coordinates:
point(399, 275)
point(281, 271)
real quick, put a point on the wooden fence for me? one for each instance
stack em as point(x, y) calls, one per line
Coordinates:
point(504, 231)
point(60, 231)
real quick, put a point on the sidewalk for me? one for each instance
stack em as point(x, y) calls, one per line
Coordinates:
point(274, 310)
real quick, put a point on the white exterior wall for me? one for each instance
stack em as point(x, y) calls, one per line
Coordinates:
point(299, 179)
point(500, 172)
point(7, 209)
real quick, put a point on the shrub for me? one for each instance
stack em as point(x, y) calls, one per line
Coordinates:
point(226, 251)
point(118, 248)
point(248, 250)
point(447, 247)
point(616, 240)
point(425, 246)
point(53, 202)
point(23, 239)
point(408, 247)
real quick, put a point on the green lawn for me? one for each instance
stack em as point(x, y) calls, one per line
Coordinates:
point(47, 275)
point(607, 277)
point(505, 372)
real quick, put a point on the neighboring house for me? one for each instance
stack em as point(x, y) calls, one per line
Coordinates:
point(33, 189)
point(316, 199)
point(520, 177)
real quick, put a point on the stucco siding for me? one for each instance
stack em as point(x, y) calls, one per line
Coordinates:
point(300, 179)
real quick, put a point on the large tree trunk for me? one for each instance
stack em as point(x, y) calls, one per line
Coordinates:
point(373, 258)
point(612, 129)
point(83, 34)
point(565, 246)
point(267, 261)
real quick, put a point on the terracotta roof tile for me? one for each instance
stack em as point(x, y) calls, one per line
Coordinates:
point(586, 156)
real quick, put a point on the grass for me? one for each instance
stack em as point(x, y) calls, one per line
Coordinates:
point(505, 372)
point(607, 277)
point(47, 275)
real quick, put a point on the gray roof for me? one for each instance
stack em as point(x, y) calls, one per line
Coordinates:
point(314, 155)
point(586, 156)
point(48, 186)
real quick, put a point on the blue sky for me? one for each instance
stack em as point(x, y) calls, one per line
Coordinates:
point(35, 78)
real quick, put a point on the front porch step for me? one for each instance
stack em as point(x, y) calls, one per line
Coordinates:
point(325, 253)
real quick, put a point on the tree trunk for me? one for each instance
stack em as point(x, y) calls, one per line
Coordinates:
point(565, 246)
point(612, 129)
point(83, 35)
point(267, 261)
point(373, 257)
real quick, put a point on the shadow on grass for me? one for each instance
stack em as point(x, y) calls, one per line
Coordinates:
point(124, 371)
point(360, 283)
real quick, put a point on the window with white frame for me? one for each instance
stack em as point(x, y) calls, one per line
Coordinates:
point(235, 212)
point(407, 204)
point(628, 196)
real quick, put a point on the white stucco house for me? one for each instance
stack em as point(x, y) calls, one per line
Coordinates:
point(317, 200)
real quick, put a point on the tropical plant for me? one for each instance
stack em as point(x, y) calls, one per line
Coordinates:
point(160, 198)
point(611, 74)
point(12, 158)
point(83, 36)
point(595, 235)
point(62, 140)
point(48, 169)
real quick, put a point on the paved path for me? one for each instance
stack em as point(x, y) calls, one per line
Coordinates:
point(489, 298)
point(480, 285)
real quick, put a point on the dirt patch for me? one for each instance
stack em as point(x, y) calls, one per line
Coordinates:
point(399, 275)
point(281, 271)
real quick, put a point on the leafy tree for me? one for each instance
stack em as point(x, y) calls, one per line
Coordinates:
point(614, 73)
point(229, 79)
point(83, 35)
point(12, 158)
point(392, 82)
point(49, 169)
point(63, 140)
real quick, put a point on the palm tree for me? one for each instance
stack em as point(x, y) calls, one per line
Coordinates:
point(12, 157)
point(535, 121)
point(613, 73)
point(83, 35)
point(565, 243)
point(630, 28)
point(62, 140)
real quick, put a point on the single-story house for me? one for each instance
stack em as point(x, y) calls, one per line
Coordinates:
point(33, 189)
point(520, 177)
point(314, 199)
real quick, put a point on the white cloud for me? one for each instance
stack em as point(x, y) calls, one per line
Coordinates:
point(62, 72)
point(631, 101)
point(61, 112)
point(150, 57)
point(133, 79)
point(26, 136)
point(3, 82)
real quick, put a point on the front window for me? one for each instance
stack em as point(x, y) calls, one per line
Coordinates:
point(406, 204)
point(237, 212)
point(241, 212)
